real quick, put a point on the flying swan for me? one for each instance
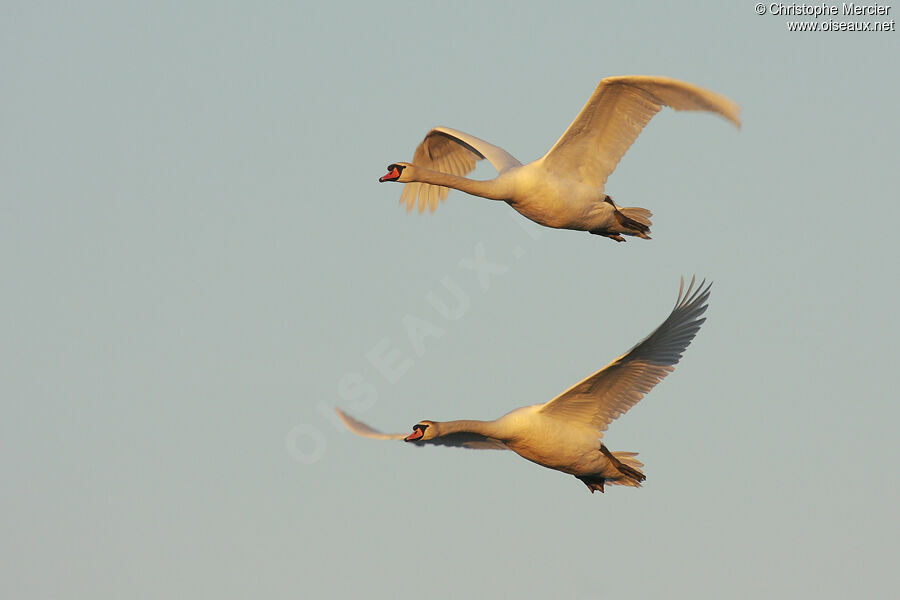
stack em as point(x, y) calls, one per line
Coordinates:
point(565, 187)
point(564, 434)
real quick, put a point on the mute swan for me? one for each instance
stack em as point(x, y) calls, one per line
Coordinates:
point(565, 187)
point(564, 434)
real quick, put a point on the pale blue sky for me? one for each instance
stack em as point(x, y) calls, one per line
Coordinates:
point(197, 261)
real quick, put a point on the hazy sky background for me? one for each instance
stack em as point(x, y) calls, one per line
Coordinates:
point(197, 263)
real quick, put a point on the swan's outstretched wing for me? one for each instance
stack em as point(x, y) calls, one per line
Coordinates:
point(457, 440)
point(360, 428)
point(608, 393)
point(454, 152)
point(613, 117)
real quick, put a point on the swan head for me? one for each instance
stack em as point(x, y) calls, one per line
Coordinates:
point(422, 432)
point(395, 173)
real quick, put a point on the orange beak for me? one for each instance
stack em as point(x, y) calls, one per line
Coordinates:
point(392, 176)
point(416, 434)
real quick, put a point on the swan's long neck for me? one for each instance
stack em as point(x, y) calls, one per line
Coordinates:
point(492, 188)
point(486, 428)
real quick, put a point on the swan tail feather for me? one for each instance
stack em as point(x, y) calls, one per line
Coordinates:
point(631, 220)
point(634, 221)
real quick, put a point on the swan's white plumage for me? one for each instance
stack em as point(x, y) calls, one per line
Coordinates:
point(564, 434)
point(565, 187)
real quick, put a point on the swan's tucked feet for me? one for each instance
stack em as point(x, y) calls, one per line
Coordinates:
point(593, 483)
point(629, 221)
point(630, 226)
point(624, 469)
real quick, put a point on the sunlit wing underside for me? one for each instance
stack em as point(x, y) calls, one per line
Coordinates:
point(607, 394)
point(454, 152)
point(615, 114)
